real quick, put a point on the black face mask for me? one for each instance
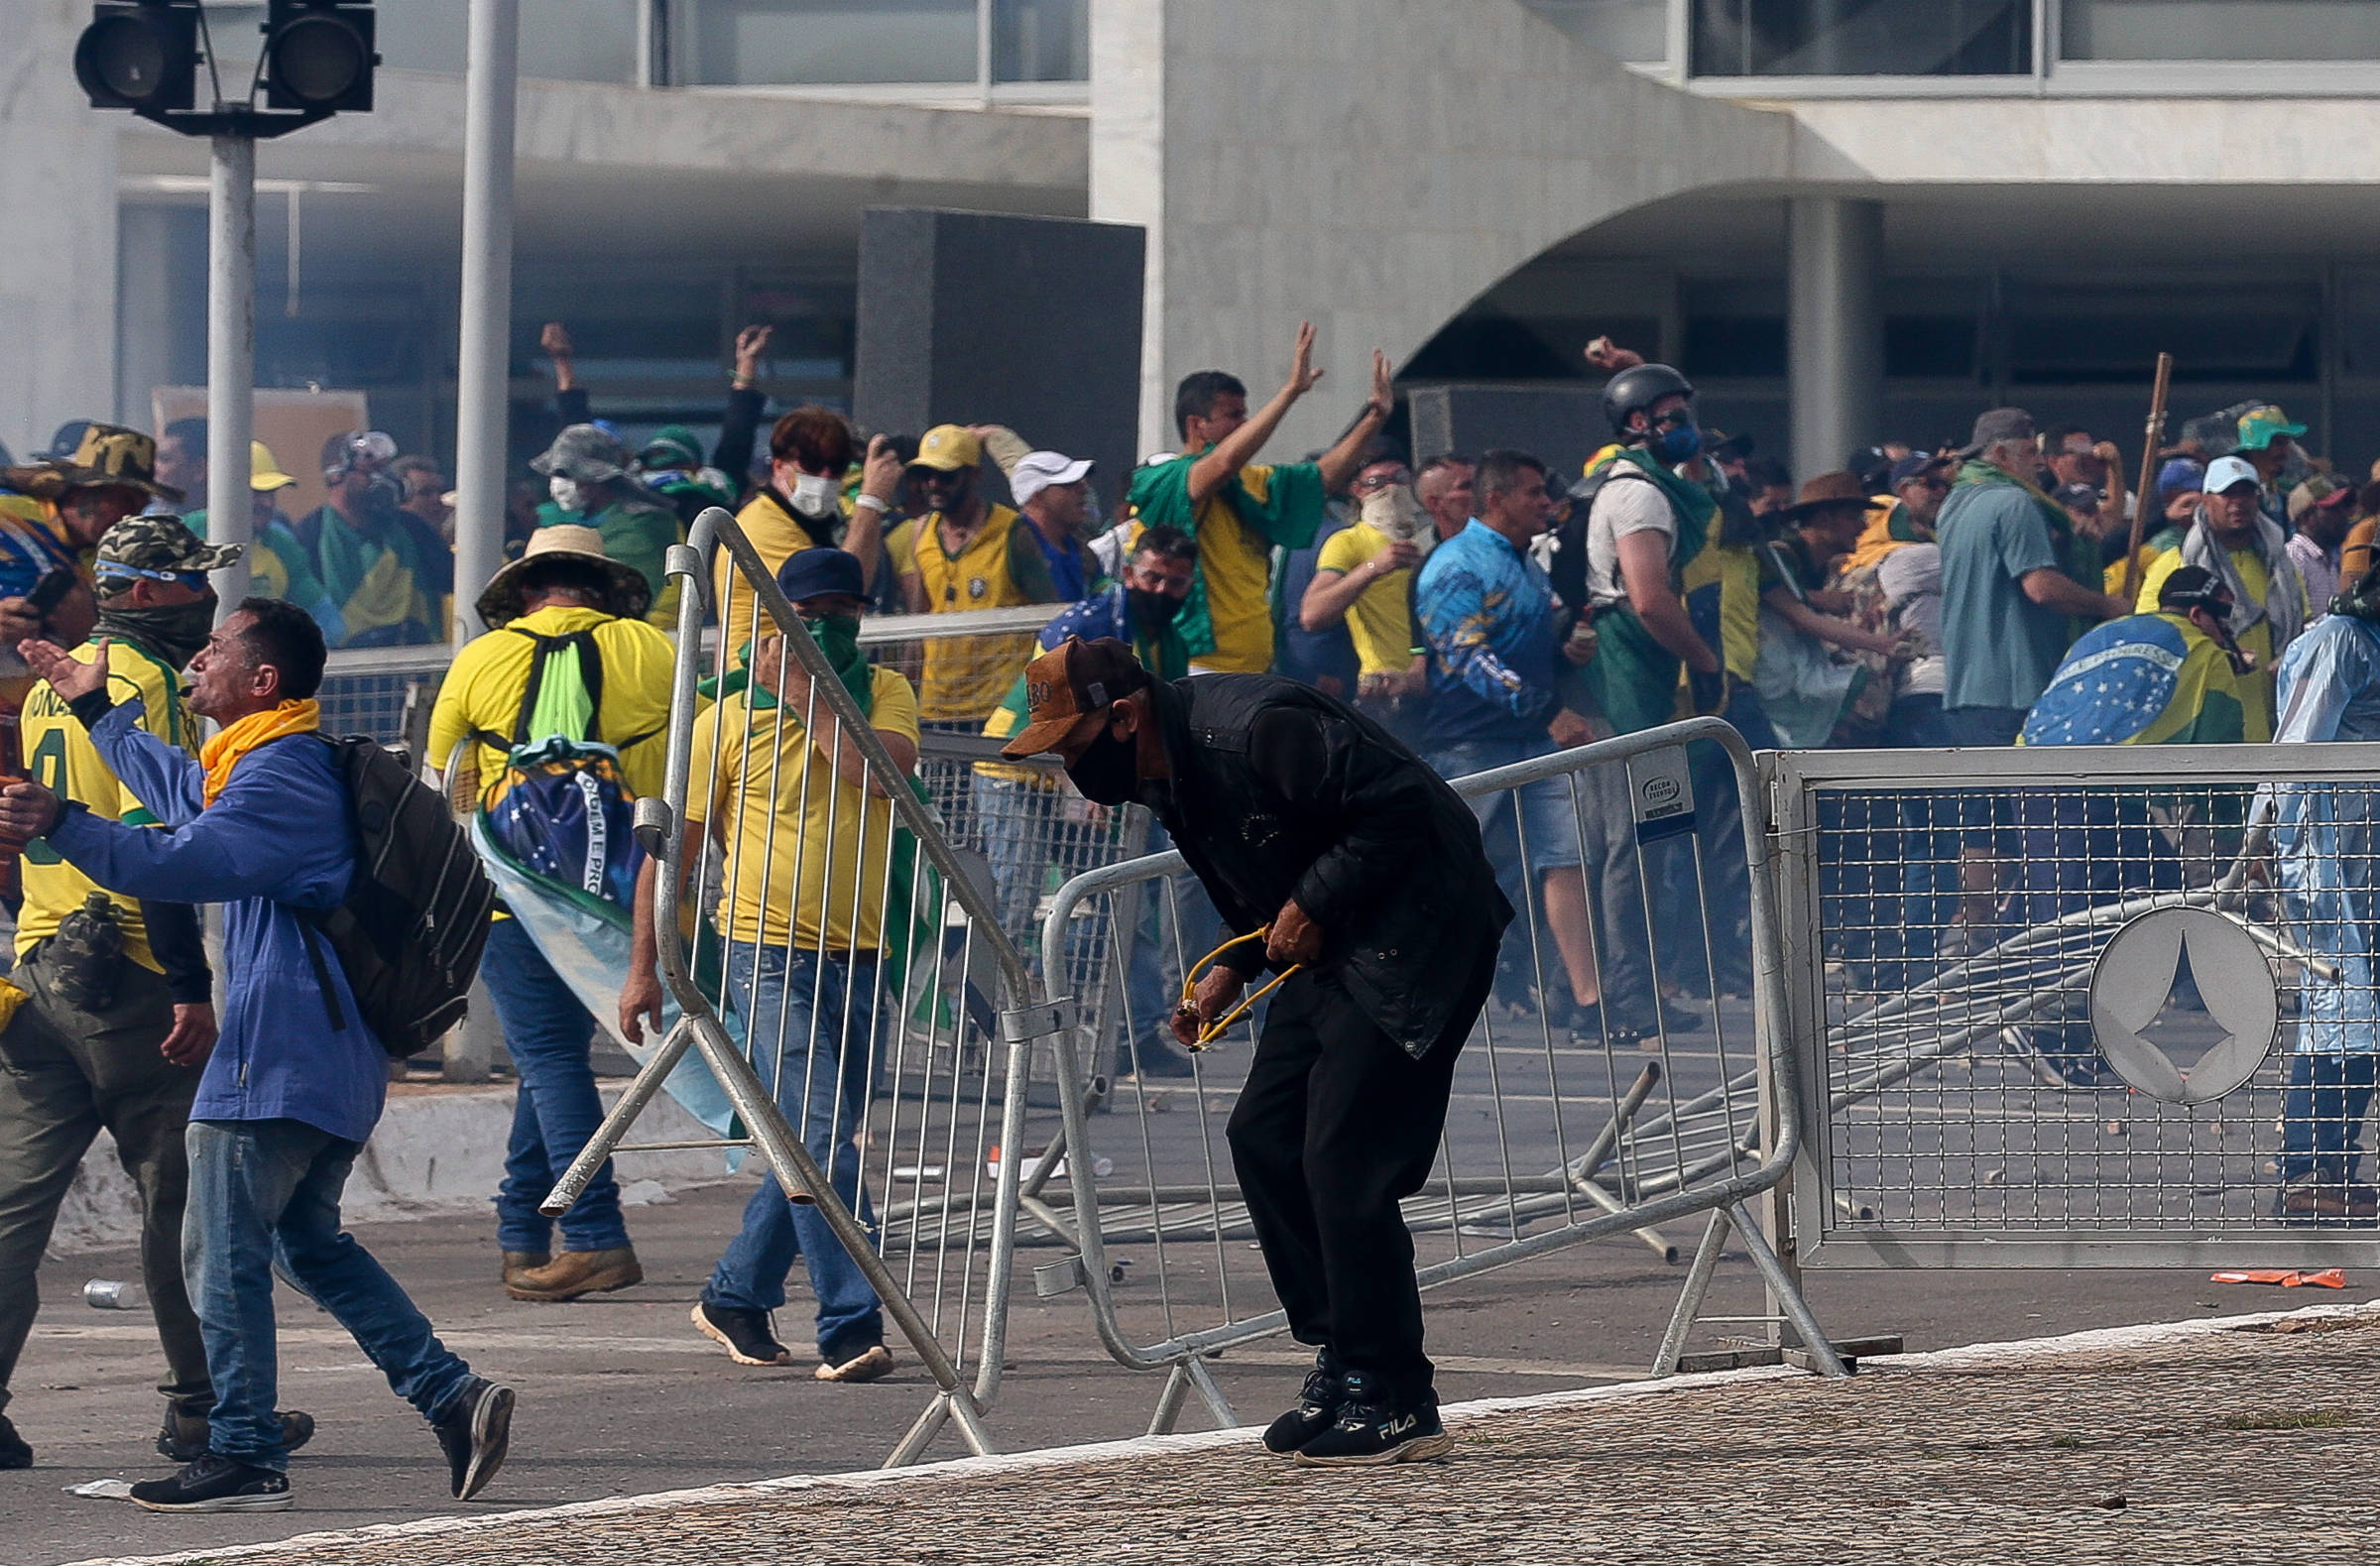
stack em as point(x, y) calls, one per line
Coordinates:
point(174, 634)
point(1109, 770)
point(1153, 611)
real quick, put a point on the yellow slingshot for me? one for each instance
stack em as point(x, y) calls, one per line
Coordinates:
point(1209, 1032)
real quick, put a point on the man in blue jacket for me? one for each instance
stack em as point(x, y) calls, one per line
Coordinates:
point(261, 821)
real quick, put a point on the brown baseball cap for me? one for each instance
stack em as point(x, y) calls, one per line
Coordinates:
point(1071, 680)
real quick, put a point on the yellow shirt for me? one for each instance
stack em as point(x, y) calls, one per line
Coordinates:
point(483, 690)
point(776, 534)
point(61, 755)
point(1380, 620)
point(803, 855)
point(2256, 687)
point(1237, 565)
point(967, 677)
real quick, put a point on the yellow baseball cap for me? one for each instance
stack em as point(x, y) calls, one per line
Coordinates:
point(948, 447)
point(264, 473)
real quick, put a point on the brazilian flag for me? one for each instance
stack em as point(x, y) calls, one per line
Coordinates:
point(2144, 680)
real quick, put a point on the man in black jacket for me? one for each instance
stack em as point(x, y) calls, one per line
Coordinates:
point(1361, 868)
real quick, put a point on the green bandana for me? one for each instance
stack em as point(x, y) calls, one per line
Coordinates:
point(838, 637)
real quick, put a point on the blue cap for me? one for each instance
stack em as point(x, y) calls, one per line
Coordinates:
point(813, 573)
point(2181, 475)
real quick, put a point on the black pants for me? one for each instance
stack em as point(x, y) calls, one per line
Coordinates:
point(1335, 1126)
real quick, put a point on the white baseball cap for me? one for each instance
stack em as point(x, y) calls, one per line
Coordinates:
point(1037, 470)
point(2223, 472)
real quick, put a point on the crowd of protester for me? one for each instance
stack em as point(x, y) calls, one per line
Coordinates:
point(1480, 609)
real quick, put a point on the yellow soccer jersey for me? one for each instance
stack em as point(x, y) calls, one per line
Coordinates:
point(62, 758)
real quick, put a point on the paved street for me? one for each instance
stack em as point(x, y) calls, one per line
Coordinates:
point(619, 1396)
point(2169, 1446)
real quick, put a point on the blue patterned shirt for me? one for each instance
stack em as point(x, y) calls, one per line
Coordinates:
point(1486, 611)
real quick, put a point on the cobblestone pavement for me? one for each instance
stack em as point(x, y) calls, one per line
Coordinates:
point(2243, 1444)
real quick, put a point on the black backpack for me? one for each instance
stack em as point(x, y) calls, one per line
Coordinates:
point(410, 934)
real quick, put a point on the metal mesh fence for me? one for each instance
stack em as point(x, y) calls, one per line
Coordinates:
point(2083, 1006)
point(1566, 1122)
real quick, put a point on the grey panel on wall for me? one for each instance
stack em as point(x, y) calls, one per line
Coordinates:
point(978, 318)
point(1561, 426)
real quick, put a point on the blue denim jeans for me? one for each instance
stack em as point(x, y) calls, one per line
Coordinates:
point(556, 1110)
point(265, 1198)
point(2323, 1111)
point(808, 1024)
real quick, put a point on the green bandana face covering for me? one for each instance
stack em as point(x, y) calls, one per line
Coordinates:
point(838, 637)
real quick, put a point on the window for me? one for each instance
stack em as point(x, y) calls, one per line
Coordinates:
point(1040, 40)
point(1863, 37)
point(2219, 30)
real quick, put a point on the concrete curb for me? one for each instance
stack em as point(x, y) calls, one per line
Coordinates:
point(437, 1150)
point(2145, 1335)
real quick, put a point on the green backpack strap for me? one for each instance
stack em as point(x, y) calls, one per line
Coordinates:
point(564, 693)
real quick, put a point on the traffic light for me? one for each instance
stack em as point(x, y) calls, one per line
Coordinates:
point(319, 54)
point(140, 55)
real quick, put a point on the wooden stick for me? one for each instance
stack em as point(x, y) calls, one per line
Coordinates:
point(2147, 492)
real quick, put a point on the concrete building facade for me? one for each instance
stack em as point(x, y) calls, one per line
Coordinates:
point(1847, 220)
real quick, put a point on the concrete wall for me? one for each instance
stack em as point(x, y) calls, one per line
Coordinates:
point(1370, 165)
point(58, 248)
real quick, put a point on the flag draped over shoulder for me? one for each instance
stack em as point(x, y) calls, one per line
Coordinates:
point(2144, 680)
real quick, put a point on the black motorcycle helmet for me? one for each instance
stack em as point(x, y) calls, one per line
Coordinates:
point(1640, 388)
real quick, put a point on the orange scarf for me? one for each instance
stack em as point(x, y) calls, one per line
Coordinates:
point(222, 753)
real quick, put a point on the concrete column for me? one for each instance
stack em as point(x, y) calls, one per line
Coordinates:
point(1834, 327)
point(1128, 174)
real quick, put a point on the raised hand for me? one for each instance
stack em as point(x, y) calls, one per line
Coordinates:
point(68, 675)
point(751, 343)
point(1383, 401)
point(1302, 374)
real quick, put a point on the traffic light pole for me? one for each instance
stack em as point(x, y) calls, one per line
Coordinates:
point(483, 392)
point(230, 353)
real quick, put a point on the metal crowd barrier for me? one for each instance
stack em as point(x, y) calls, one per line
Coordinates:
point(1552, 1139)
point(2054, 999)
point(932, 1220)
point(383, 691)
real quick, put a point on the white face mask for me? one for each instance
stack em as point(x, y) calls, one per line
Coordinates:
point(813, 494)
point(566, 493)
point(1398, 517)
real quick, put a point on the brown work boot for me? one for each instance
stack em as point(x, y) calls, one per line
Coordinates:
point(576, 1272)
point(516, 1263)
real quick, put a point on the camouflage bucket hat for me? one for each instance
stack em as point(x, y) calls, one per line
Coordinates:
point(585, 453)
point(160, 548)
point(107, 455)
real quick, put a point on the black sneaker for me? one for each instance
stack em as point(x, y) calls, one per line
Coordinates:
point(475, 1435)
point(184, 1435)
point(749, 1336)
point(1373, 1430)
point(215, 1483)
point(13, 1453)
point(1318, 1403)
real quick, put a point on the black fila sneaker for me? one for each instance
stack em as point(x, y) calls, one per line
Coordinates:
point(1374, 1429)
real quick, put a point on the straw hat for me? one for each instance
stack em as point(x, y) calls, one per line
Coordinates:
point(629, 596)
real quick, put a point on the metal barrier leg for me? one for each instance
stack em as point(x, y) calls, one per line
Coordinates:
point(1226, 1417)
point(796, 1170)
point(1185, 1378)
point(921, 1435)
point(1689, 1300)
point(1169, 1399)
point(640, 1093)
point(1788, 1295)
